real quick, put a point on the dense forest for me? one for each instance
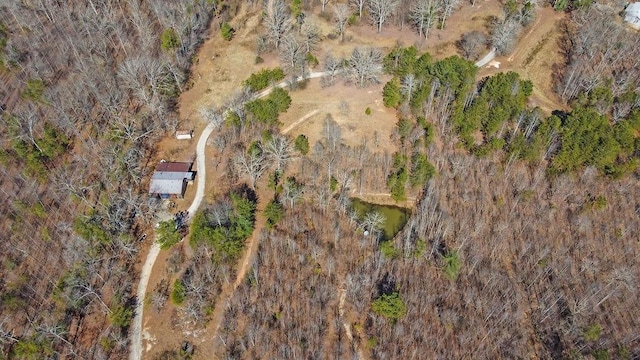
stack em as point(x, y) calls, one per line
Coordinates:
point(522, 241)
point(88, 87)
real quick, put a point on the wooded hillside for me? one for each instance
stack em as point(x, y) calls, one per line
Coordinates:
point(522, 239)
point(87, 89)
point(505, 256)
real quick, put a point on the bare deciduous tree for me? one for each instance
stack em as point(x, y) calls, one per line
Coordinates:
point(292, 191)
point(332, 133)
point(380, 11)
point(219, 213)
point(310, 35)
point(280, 151)
point(291, 55)
point(504, 35)
point(365, 65)
point(472, 43)
point(277, 22)
point(408, 86)
point(341, 17)
point(424, 14)
point(359, 5)
point(447, 9)
point(252, 164)
point(331, 65)
point(212, 115)
point(324, 4)
point(373, 222)
point(145, 77)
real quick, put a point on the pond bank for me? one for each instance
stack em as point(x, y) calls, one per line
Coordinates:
point(395, 216)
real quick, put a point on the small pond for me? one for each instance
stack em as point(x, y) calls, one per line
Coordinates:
point(396, 217)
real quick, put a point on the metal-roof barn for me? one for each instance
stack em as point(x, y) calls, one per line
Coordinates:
point(170, 180)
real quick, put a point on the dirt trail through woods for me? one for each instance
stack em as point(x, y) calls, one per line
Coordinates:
point(251, 246)
point(222, 302)
point(347, 326)
point(300, 121)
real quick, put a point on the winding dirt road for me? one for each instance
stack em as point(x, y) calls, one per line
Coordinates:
point(252, 246)
point(136, 327)
point(154, 251)
point(487, 58)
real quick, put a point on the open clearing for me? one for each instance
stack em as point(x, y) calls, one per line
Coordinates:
point(347, 106)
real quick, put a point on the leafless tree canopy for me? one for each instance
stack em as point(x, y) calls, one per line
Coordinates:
point(280, 151)
point(252, 164)
point(358, 5)
point(424, 13)
point(93, 75)
point(496, 259)
point(277, 21)
point(341, 12)
point(292, 53)
point(365, 65)
point(504, 35)
point(472, 44)
point(597, 47)
point(380, 11)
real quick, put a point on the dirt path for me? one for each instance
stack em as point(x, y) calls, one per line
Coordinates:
point(227, 292)
point(252, 246)
point(285, 83)
point(346, 324)
point(523, 42)
point(136, 327)
point(384, 199)
point(201, 166)
point(300, 121)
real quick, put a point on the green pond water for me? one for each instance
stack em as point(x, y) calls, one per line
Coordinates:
point(396, 217)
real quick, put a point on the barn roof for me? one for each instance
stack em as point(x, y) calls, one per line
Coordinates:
point(172, 175)
point(166, 186)
point(168, 182)
point(174, 166)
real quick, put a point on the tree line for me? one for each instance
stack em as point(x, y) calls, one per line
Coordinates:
point(496, 108)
